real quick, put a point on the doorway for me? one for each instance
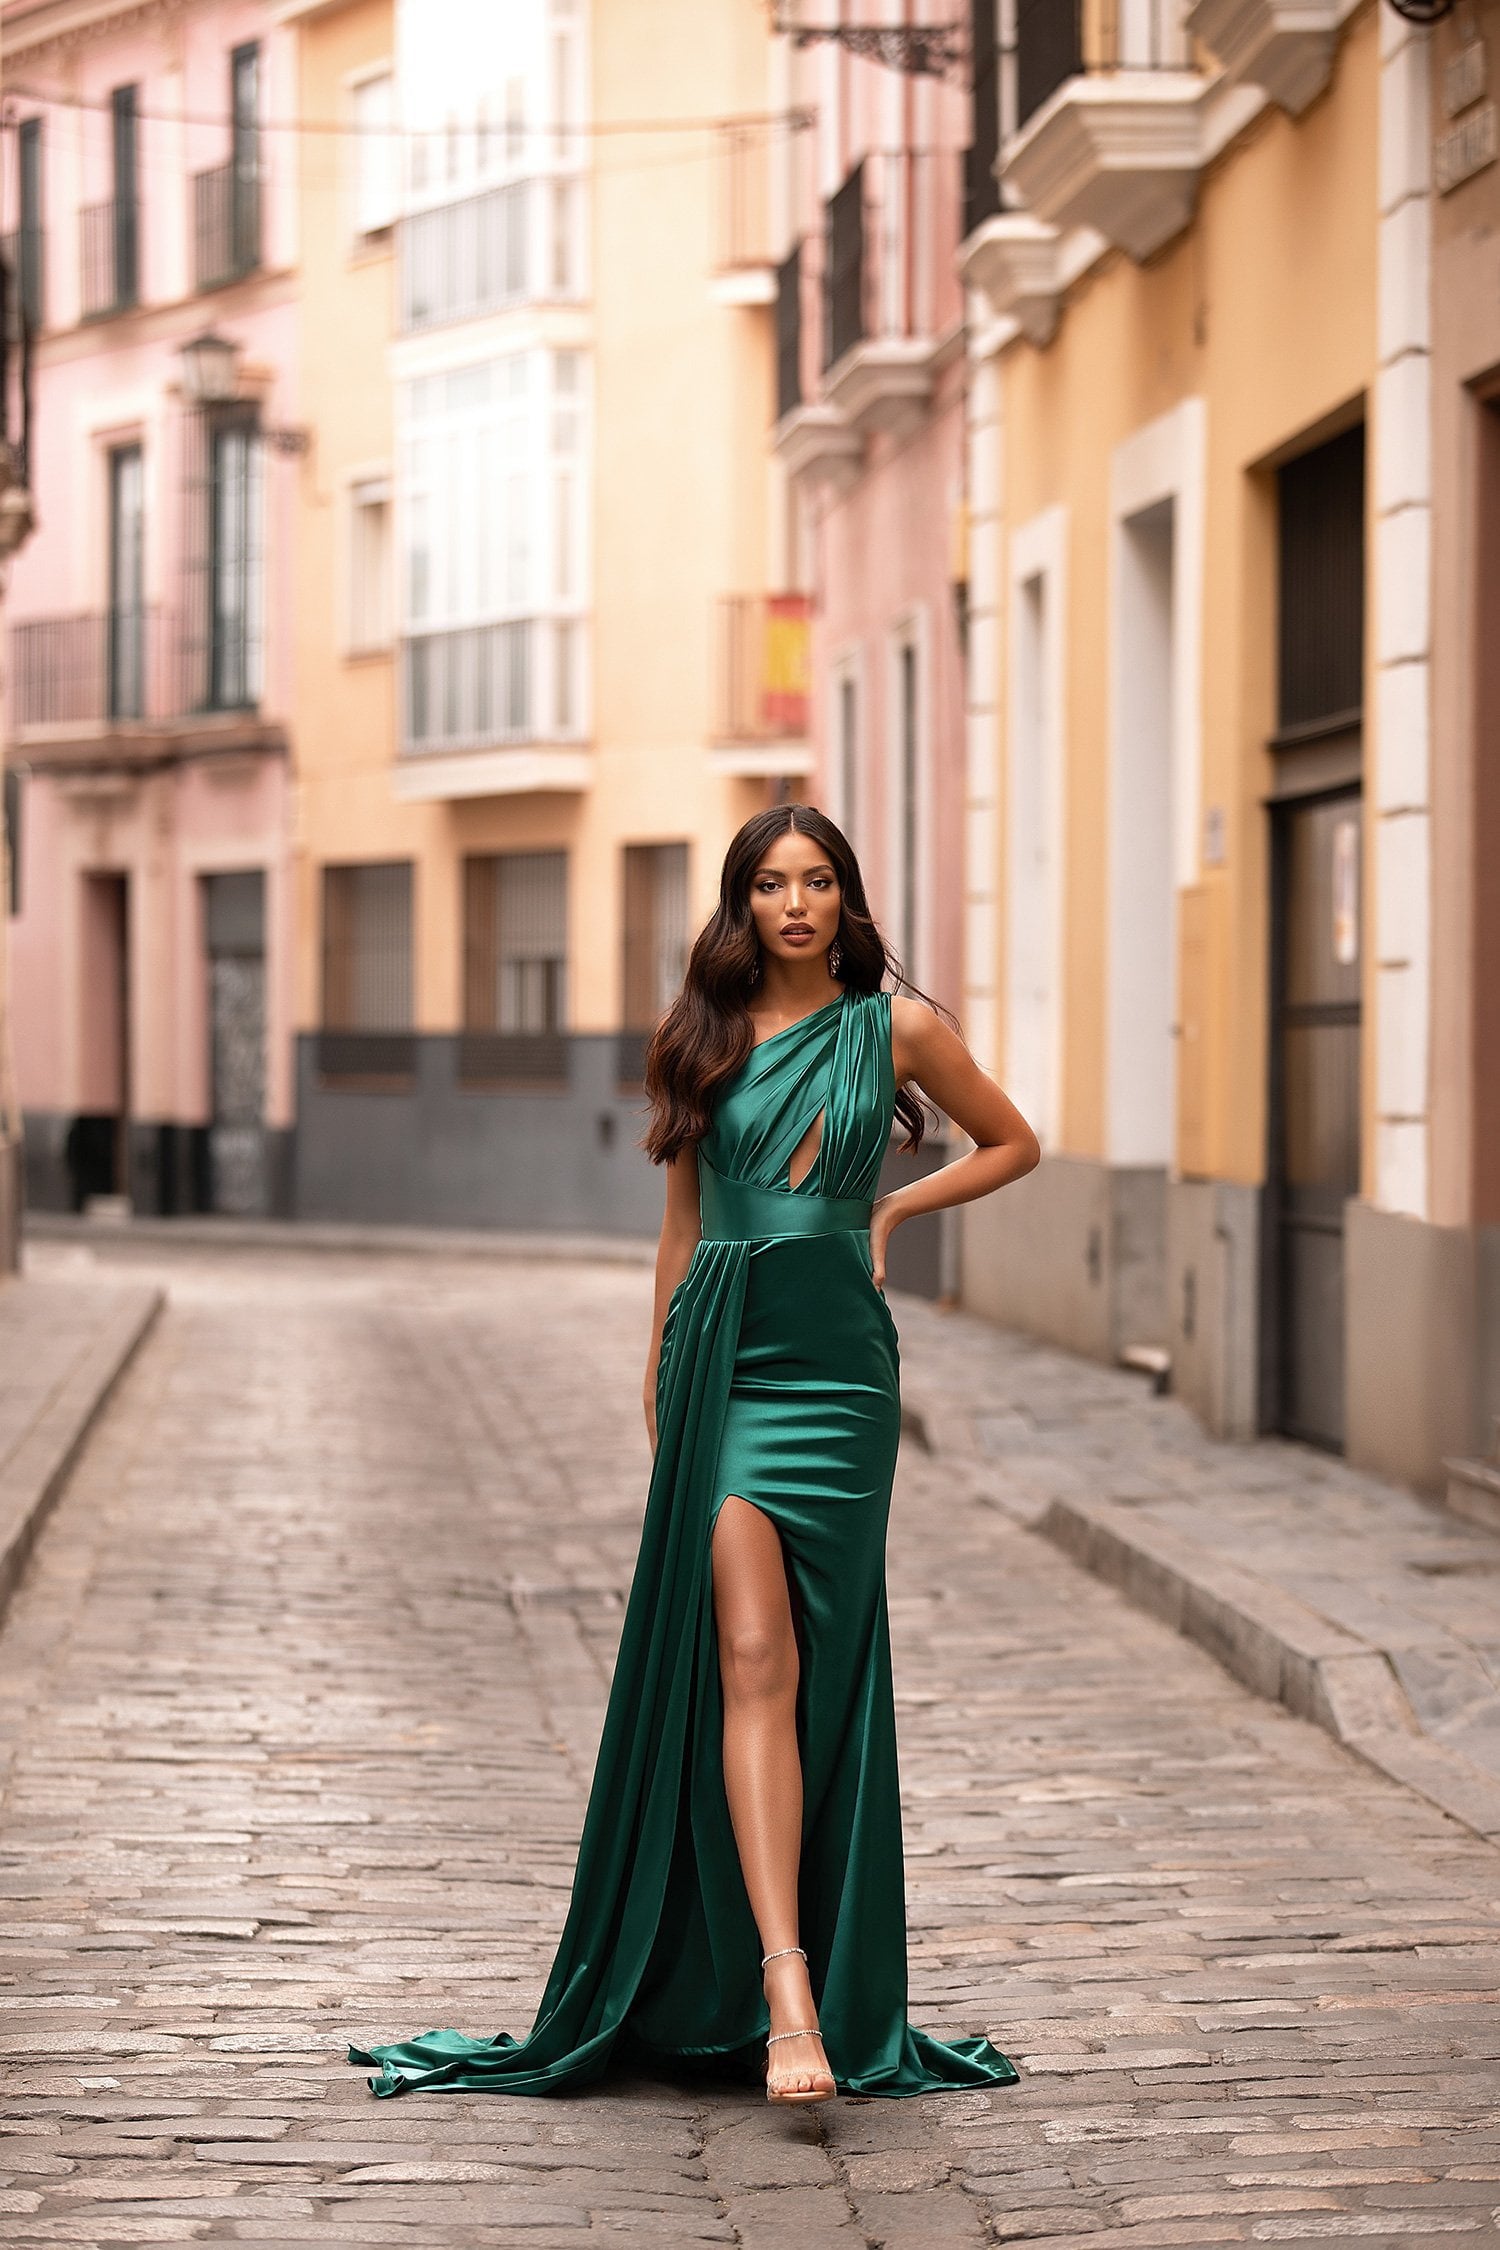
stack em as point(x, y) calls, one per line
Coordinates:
point(98, 1144)
point(1315, 1105)
point(1313, 1110)
point(234, 916)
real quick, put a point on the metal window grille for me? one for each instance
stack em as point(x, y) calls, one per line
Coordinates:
point(515, 968)
point(367, 971)
point(1321, 591)
point(125, 655)
point(223, 559)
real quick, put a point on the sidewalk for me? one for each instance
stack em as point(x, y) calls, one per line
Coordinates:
point(63, 1347)
point(1346, 1598)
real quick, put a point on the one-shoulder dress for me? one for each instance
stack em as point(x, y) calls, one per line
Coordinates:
point(779, 1381)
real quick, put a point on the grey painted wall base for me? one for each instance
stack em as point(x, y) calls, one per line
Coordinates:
point(436, 1153)
point(1097, 1257)
point(1423, 1350)
point(1213, 1256)
point(1073, 1254)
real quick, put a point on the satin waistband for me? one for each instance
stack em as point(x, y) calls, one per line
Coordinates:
point(736, 1211)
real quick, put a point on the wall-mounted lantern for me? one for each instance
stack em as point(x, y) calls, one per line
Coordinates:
point(211, 377)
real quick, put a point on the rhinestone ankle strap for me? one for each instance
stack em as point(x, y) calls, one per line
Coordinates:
point(780, 1950)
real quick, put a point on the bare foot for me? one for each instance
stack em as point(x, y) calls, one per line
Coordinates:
point(794, 2066)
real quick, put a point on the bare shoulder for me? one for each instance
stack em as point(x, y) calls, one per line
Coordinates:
point(918, 1036)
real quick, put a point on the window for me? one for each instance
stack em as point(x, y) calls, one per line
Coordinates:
point(494, 568)
point(235, 589)
point(367, 971)
point(655, 945)
point(12, 840)
point(370, 564)
point(124, 231)
point(28, 245)
point(375, 153)
point(244, 155)
point(226, 200)
point(127, 595)
point(848, 752)
point(515, 967)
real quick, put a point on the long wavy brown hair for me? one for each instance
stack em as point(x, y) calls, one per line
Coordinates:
point(707, 1032)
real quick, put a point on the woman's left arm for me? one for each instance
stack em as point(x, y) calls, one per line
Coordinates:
point(924, 1049)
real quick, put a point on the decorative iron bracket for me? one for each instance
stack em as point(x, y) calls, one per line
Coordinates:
point(927, 50)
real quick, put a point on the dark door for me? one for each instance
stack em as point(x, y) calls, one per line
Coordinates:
point(1316, 1102)
point(127, 610)
point(1313, 1157)
point(235, 916)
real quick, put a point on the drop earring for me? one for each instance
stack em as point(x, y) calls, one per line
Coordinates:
point(835, 958)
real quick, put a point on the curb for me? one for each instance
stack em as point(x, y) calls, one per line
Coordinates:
point(35, 1473)
point(1277, 1647)
point(330, 1234)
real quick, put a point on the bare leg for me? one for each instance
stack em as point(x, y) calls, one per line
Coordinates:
point(762, 1771)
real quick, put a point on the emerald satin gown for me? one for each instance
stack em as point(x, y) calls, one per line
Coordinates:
point(778, 1381)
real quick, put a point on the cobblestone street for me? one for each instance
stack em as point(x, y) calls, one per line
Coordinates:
point(298, 1701)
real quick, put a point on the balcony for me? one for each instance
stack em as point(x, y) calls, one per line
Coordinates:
point(226, 223)
point(494, 709)
point(885, 228)
point(1285, 47)
point(763, 685)
point(812, 438)
point(130, 686)
point(744, 265)
point(1110, 119)
point(517, 243)
point(1013, 260)
point(109, 238)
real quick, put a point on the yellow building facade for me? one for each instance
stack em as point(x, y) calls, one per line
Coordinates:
point(543, 668)
point(1197, 886)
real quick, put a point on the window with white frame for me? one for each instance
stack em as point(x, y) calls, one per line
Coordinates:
point(494, 212)
point(370, 563)
point(376, 169)
point(494, 568)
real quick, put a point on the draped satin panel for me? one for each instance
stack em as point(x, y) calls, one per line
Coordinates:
point(778, 1381)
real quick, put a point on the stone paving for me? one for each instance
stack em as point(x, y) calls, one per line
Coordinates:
point(297, 1710)
point(1398, 1593)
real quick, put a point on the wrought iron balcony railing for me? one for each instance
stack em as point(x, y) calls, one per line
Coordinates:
point(1061, 39)
point(482, 686)
point(109, 246)
point(226, 223)
point(516, 243)
point(127, 667)
point(889, 235)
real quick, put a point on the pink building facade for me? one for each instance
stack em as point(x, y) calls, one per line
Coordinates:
point(871, 426)
point(150, 203)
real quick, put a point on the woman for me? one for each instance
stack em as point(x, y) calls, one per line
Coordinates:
point(745, 1800)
